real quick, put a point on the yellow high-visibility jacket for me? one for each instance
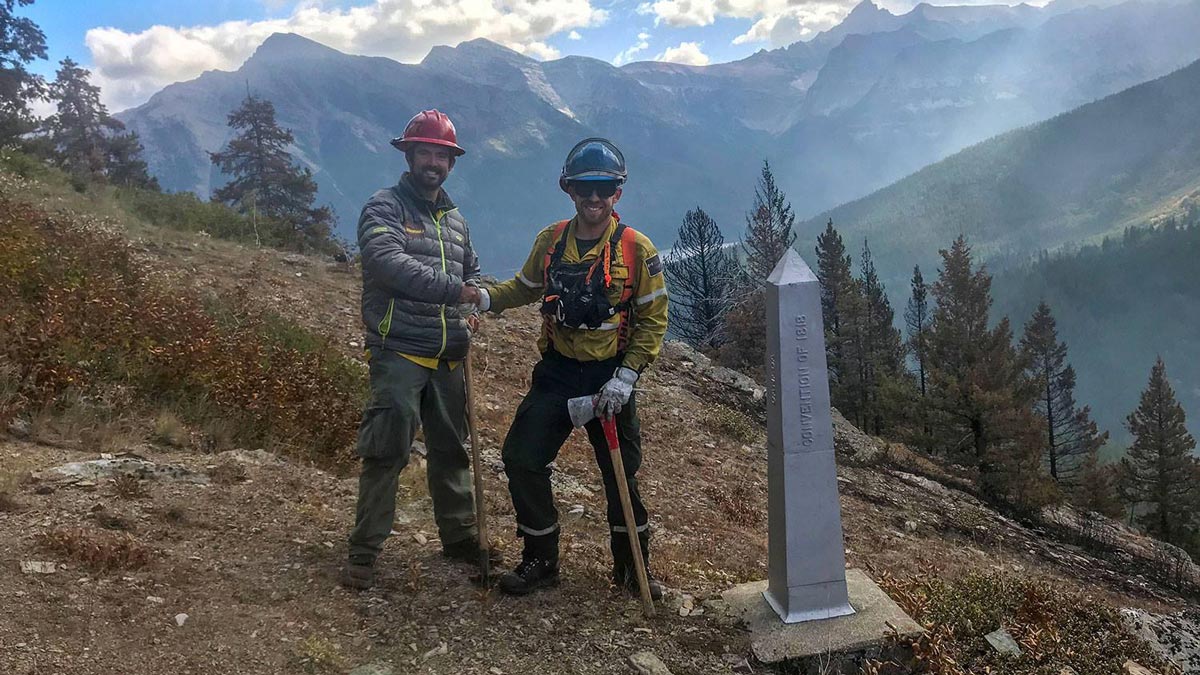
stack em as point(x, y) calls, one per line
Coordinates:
point(648, 305)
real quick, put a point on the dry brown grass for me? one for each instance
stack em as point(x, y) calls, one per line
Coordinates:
point(129, 486)
point(97, 550)
point(143, 339)
point(9, 483)
point(227, 473)
point(1053, 627)
point(8, 503)
point(738, 501)
point(170, 430)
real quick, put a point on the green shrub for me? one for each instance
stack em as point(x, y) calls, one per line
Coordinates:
point(1054, 628)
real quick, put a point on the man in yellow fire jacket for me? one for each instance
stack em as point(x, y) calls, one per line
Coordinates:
point(604, 302)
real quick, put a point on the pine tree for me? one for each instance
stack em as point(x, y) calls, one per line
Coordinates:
point(768, 229)
point(125, 166)
point(978, 396)
point(745, 346)
point(21, 42)
point(265, 182)
point(883, 352)
point(79, 132)
point(1161, 472)
point(916, 319)
point(1070, 434)
point(839, 293)
point(700, 272)
point(1099, 487)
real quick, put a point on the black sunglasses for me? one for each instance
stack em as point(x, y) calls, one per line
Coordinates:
point(602, 188)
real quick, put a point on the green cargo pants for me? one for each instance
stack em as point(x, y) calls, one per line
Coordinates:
point(403, 395)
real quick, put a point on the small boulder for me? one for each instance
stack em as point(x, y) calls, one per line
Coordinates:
point(1002, 642)
point(648, 663)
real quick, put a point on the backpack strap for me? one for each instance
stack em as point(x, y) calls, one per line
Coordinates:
point(629, 258)
point(554, 252)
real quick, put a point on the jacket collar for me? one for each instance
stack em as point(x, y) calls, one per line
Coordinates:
point(442, 203)
point(572, 233)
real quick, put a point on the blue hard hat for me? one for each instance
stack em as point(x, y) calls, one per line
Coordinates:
point(593, 159)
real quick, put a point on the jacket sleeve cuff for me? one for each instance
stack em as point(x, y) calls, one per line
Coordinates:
point(454, 292)
point(635, 362)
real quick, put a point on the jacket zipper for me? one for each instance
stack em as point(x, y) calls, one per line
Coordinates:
point(437, 221)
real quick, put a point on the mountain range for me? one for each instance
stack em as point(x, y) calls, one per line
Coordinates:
point(875, 98)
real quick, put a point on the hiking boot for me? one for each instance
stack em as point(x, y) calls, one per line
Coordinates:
point(529, 576)
point(358, 576)
point(625, 578)
point(467, 551)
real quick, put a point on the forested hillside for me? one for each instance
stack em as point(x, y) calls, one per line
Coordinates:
point(1119, 304)
point(1077, 177)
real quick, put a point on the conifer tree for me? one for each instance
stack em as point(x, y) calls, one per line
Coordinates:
point(977, 390)
point(21, 42)
point(916, 320)
point(1161, 472)
point(1099, 487)
point(768, 229)
point(700, 272)
point(768, 236)
point(1069, 433)
point(882, 351)
point(264, 180)
point(745, 345)
point(80, 129)
point(839, 293)
point(125, 166)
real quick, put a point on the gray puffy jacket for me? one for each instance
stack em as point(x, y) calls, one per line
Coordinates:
point(416, 256)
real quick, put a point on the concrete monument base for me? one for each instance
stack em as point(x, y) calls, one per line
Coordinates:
point(824, 645)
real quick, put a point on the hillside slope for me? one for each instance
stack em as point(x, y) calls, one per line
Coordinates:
point(1086, 173)
point(226, 560)
point(1120, 305)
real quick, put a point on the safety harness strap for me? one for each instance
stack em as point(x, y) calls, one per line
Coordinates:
point(625, 237)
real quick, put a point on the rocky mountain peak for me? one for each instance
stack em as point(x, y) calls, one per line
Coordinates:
point(289, 47)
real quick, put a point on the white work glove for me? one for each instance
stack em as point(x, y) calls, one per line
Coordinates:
point(615, 393)
point(485, 300)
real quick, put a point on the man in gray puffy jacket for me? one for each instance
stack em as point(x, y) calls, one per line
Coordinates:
point(418, 268)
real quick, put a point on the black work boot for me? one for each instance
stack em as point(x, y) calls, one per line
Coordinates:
point(358, 574)
point(538, 568)
point(625, 572)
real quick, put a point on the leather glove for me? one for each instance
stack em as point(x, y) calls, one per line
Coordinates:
point(616, 392)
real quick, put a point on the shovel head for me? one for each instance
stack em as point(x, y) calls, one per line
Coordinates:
point(582, 410)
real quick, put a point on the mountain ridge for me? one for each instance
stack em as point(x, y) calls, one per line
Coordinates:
point(691, 135)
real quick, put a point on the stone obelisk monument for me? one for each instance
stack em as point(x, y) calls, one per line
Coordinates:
point(832, 618)
point(807, 563)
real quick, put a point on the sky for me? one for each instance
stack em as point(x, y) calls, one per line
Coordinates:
point(136, 47)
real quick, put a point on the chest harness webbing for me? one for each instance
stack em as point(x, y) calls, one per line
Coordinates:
point(576, 294)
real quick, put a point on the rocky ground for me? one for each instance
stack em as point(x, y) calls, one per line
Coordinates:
point(228, 562)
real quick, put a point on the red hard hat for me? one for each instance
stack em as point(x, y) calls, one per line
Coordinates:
point(429, 126)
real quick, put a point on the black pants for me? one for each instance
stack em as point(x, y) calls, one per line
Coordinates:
point(539, 429)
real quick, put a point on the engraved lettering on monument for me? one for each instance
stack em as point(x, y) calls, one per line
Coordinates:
point(807, 565)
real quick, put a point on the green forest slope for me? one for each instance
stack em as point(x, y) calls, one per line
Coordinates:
point(1070, 180)
point(1118, 305)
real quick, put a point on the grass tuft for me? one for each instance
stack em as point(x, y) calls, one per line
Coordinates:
point(97, 550)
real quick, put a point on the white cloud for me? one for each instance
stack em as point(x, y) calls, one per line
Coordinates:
point(642, 44)
point(687, 53)
point(132, 66)
point(778, 22)
point(574, 35)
